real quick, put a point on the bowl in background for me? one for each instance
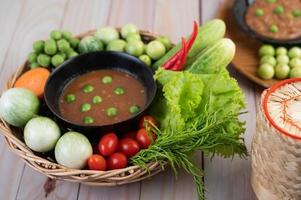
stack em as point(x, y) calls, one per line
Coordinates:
point(239, 10)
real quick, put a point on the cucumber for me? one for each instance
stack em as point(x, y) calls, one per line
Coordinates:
point(214, 58)
point(207, 34)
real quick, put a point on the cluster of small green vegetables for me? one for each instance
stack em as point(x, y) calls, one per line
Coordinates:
point(201, 112)
point(128, 40)
point(280, 62)
point(54, 51)
point(62, 46)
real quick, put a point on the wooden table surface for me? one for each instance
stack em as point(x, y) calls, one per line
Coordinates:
point(24, 21)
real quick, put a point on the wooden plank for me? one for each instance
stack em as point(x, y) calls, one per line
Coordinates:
point(81, 16)
point(122, 12)
point(50, 15)
point(175, 18)
point(35, 185)
point(225, 178)
point(137, 12)
point(9, 9)
point(165, 186)
point(36, 22)
point(126, 192)
point(209, 9)
point(170, 20)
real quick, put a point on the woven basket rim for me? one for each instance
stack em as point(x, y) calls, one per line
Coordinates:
point(265, 105)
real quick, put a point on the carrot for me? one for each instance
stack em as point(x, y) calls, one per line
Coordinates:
point(34, 80)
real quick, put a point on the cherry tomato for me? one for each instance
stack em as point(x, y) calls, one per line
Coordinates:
point(117, 161)
point(108, 144)
point(147, 118)
point(143, 139)
point(130, 134)
point(128, 147)
point(97, 162)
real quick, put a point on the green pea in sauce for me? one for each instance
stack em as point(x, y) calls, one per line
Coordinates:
point(119, 91)
point(107, 79)
point(274, 28)
point(296, 13)
point(134, 109)
point(112, 111)
point(70, 98)
point(259, 12)
point(88, 120)
point(279, 10)
point(85, 107)
point(88, 88)
point(271, 1)
point(97, 99)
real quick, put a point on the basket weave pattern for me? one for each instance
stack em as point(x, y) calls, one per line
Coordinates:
point(47, 166)
point(276, 162)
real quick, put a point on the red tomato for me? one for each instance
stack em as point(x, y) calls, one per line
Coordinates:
point(108, 144)
point(97, 162)
point(147, 118)
point(117, 161)
point(128, 147)
point(143, 139)
point(130, 134)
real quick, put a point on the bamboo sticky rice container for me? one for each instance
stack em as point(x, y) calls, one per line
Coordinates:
point(276, 146)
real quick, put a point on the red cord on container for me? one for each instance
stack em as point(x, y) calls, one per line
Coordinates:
point(265, 106)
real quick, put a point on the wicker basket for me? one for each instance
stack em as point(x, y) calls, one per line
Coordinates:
point(47, 166)
point(276, 146)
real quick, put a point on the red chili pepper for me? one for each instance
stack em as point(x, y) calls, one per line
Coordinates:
point(182, 58)
point(177, 61)
point(193, 35)
point(169, 63)
point(188, 46)
point(174, 59)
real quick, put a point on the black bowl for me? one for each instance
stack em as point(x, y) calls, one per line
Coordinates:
point(239, 10)
point(94, 61)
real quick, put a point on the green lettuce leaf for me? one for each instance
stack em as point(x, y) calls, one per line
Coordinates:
point(180, 97)
point(185, 99)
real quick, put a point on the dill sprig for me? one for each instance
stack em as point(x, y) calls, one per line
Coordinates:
point(207, 133)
